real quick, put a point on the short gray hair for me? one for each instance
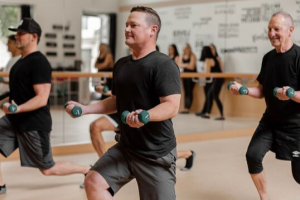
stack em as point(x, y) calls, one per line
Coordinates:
point(287, 17)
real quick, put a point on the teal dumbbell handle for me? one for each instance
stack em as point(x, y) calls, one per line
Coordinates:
point(12, 107)
point(104, 89)
point(124, 115)
point(76, 110)
point(229, 84)
point(289, 92)
point(275, 91)
point(243, 89)
point(144, 117)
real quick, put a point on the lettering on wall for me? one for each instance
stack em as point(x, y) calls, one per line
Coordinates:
point(258, 14)
point(239, 50)
point(224, 9)
point(201, 41)
point(203, 21)
point(261, 36)
point(228, 30)
point(181, 36)
point(183, 13)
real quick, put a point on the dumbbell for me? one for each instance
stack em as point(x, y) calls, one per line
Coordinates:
point(290, 92)
point(104, 89)
point(144, 116)
point(12, 107)
point(76, 110)
point(243, 89)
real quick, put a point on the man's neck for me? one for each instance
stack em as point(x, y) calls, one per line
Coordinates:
point(285, 47)
point(16, 53)
point(27, 51)
point(139, 53)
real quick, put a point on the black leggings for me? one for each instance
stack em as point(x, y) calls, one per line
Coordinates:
point(212, 92)
point(296, 170)
point(261, 142)
point(188, 85)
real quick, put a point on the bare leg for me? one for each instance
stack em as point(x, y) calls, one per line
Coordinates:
point(96, 128)
point(184, 154)
point(260, 182)
point(65, 168)
point(96, 187)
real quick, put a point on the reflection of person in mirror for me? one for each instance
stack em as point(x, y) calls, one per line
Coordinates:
point(105, 63)
point(188, 63)
point(28, 126)
point(212, 64)
point(15, 56)
point(279, 128)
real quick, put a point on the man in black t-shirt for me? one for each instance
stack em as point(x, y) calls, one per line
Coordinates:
point(146, 80)
point(279, 128)
point(29, 124)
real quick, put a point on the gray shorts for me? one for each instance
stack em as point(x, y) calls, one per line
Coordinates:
point(34, 146)
point(156, 178)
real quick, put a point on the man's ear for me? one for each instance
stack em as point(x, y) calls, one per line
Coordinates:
point(154, 29)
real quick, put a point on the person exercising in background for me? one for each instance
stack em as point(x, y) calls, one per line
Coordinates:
point(110, 122)
point(279, 128)
point(29, 124)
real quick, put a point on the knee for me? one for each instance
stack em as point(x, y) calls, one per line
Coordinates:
point(95, 128)
point(93, 182)
point(254, 163)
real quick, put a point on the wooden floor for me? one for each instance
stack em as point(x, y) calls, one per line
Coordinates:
point(219, 173)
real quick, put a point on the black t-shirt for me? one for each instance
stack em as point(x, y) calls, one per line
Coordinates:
point(138, 84)
point(28, 71)
point(278, 70)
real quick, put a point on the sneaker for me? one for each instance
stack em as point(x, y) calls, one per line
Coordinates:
point(189, 162)
point(3, 189)
point(220, 118)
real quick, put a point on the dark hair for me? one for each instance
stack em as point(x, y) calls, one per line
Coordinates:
point(206, 53)
point(151, 18)
point(175, 50)
point(215, 49)
point(12, 37)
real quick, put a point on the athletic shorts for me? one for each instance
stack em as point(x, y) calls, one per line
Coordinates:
point(283, 142)
point(156, 178)
point(34, 146)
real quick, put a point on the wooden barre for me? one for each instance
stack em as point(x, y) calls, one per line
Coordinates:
point(109, 75)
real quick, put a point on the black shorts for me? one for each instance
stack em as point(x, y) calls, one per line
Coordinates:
point(283, 142)
point(34, 146)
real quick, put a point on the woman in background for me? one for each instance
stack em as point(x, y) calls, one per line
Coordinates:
point(188, 63)
point(105, 63)
point(212, 64)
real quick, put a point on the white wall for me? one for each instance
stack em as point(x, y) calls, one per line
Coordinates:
point(58, 12)
point(238, 28)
